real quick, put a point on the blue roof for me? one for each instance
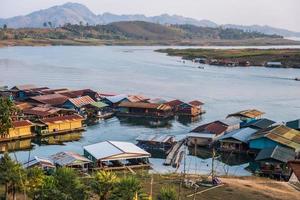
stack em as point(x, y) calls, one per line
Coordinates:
point(242, 135)
point(117, 98)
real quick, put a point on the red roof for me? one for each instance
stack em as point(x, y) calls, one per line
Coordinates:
point(41, 111)
point(21, 123)
point(174, 103)
point(196, 103)
point(81, 101)
point(295, 166)
point(51, 99)
point(137, 98)
point(213, 128)
point(52, 120)
point(78, 93)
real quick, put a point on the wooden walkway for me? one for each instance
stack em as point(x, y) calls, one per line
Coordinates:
point(173, 156)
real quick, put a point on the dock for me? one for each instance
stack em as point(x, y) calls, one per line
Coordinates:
point(175, 153)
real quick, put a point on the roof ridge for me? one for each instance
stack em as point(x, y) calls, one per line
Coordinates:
point(110, 142)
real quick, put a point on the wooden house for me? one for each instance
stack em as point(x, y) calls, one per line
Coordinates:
point(273, 161)
point(137, 98)
point(294, 178)
point(147, 110)
point(22, 92)
point(42, 112)
point(43, 163)
point(156, 142)
point(114, 155)
point(279, 135)
point(206, 134)
point(71, 160)
point(21, 129)
point(114, 101)
point(231, 123)
point(81, 93)
point(259, 124)
point(237, 140)
point(247, 115)
point(61, 124)
point(186, 109)
point(78, 103)
point(56, 100)
point(295, 124)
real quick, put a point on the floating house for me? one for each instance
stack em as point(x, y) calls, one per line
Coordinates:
point(273, 64)
point(42, 163)
point(156, 142)
point(200, 60)
point(148, 110)
point(279, 135)
point(186, 109)
point(56, 100)
point(294, 178)
point(61, 124)
point(206, 134)
point(273, 161)
point(259, 124)
point(42, 112)
point(157, 101)
point(114, 101)
point(80, 93)
point(247, 115)
point(70, 159)
point(22, 92)
point(113, 155)
point(21, 129)
point(295, 124)
point(237, 140)
point(78, 103)
point(231, 123)
point(138, 98)
point(99, 110)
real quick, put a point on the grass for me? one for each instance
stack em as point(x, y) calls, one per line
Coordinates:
point(257, 57)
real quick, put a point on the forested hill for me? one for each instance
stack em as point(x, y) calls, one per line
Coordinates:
point(132, 30)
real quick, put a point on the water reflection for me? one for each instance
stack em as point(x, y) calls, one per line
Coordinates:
point(16, 145)
point(187, 120)
point(58, 139)
point(146, 122)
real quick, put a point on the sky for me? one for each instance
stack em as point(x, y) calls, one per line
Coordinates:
point(277, 13)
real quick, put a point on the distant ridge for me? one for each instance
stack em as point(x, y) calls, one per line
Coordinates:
point(76, 13)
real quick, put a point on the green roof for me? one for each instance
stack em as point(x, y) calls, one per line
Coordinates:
point(99, 104)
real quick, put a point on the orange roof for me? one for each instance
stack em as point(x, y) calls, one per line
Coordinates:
point(41, 111)
point(295, 166)
point(51, 99)
point(61, 119)
point(137, 98)
point(81, 101)
point(22, 123)
point(196, 103)
point(145, 105)
point(213, 128)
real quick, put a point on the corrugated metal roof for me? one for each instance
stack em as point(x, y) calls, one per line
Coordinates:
point(260, 123)
point(81, 101)
point(69, 159)
point(107, 149)
point(137, 98)
point(38, 160)
point(196, 103)
point(99, 104)
point(174, 103)
point(215, 127)
point(41, 111)
point(278, 153)
point(201, 135)
point(231, 121)
point(281, 134)
point(242, 135)
point(21, 123)
point(25, 87)
point(116, 98)
point(155, 138)
point(51, 99)
point(251, 113)
point(145, 105)
point(61, 119)
point(157, 100)
point(295, 124)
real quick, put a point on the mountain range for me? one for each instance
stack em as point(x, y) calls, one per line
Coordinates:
point(75, 13)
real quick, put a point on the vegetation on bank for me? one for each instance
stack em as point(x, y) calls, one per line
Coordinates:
point(134, 33)
point(256, 57)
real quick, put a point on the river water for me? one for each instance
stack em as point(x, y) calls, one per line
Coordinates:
point(140, 70)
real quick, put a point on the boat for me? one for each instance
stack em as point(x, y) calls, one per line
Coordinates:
point(297, 79)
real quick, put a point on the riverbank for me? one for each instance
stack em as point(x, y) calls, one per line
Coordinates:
point(100, 42)
point(289, 58)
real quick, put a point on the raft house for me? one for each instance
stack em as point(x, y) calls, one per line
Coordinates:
point(115, 155)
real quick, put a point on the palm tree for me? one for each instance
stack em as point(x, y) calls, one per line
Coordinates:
point(104, 183)
point(35, 178)
point(129, 188)
point(167, 193)
point(11, 175)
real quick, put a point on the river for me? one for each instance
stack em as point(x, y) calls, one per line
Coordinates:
point(140, 70)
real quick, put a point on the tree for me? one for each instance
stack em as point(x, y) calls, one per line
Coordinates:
point(11, 175)
point(48, 190)
point(128, 188)
point(35, 178)
point(167, 193)
point(45, 24)
point(69, 184)
point(50, 24)
point(7, 109)
point(104, 183)
point(4, 26)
